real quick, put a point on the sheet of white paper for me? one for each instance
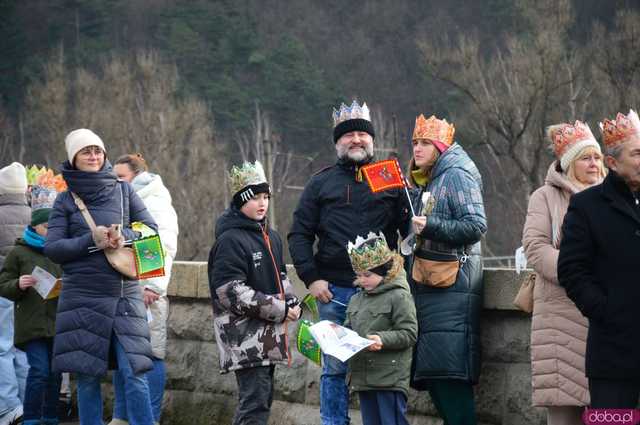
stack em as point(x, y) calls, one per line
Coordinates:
point(45, 281)
point(338, 341)
point(149, 316)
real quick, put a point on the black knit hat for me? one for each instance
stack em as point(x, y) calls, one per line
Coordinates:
point(357, 124)
point(243, 196)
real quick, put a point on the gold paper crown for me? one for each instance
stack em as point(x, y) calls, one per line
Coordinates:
point(621, 130)
point(564, 136)
point(434, 129)
point(352, 112)
point(366, 254)
point(44, 177)
point(247, 175)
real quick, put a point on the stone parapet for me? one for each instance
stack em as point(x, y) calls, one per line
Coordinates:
point(198, 394)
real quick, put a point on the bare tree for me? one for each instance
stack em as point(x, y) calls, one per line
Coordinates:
point(512, 91)
point(264, 144)
point(616, 55)
point(386, 144)
point(135, 107)
point(7, 137)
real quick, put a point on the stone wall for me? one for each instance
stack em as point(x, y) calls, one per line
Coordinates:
point(198, 394)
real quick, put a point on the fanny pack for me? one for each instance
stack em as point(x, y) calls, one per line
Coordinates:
point(437, 269)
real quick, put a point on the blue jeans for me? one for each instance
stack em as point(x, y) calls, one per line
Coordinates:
point(13, 362)
point(155, 378)
point(334, 394)
point(136, 392)
point(43, 386)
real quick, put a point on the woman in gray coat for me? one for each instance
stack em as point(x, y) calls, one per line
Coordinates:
point(101, 317)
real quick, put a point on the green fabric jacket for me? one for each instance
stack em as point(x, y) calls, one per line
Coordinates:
point(387, 311)
point(34, 317)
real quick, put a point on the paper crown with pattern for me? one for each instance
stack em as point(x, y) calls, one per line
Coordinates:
point(45, 186)
point(569, 140)
point(247, 175)
point(620, 130)
point(434, 129)
point(355, 111)
point(368, 253)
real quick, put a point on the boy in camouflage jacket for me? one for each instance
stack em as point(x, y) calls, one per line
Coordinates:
point(252, 298)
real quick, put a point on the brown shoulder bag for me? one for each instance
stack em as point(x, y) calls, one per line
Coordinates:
point(122, 259)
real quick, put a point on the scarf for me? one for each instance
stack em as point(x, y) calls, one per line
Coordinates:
point(33, 239)
point(420, 177)
point(92, 187)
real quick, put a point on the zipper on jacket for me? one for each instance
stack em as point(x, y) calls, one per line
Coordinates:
point(348, 194)
point(121, 227)
point(265, 236)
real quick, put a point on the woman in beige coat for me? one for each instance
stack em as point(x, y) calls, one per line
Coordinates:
point(558, 329)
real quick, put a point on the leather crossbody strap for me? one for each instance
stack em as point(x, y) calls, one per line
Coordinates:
point(84, 211)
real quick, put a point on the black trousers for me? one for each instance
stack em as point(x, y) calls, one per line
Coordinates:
point(255, 395)
point(612, 394)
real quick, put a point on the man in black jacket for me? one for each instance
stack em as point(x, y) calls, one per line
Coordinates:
point(597, 264)
point(335, 207)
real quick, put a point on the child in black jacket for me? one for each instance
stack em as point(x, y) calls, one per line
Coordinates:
point(252, 298)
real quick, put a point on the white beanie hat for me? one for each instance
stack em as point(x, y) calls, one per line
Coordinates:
point(80, 139)
point(13, 179)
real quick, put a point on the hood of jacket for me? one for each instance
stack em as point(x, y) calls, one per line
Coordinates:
point(455, 157)
point(13, 199)
point(399, 280)
point(559, 180)
point(149, 185)
point(93, 187)
point(233, 218)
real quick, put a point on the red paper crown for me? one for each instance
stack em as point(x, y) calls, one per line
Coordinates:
point(621, 130)
point(565, 135)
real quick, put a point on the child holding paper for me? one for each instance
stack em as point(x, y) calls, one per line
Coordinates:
point(34, 315)
point(384, 312)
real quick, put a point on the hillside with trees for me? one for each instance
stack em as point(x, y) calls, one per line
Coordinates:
point(198, 85)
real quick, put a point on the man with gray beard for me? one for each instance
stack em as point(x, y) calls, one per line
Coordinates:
point(335, 207)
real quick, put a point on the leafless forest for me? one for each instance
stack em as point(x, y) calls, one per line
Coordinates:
point(197, 86)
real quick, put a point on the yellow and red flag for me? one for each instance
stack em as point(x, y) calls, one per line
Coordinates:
point(384, 175)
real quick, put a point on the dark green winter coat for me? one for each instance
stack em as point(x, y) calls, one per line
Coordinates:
point(34, 316)
point(387, 311)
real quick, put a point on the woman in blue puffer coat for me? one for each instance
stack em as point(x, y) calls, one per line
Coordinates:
point(448, 295)
point(101, 318)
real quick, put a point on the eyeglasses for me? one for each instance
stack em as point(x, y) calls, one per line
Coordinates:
point(95, 150)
